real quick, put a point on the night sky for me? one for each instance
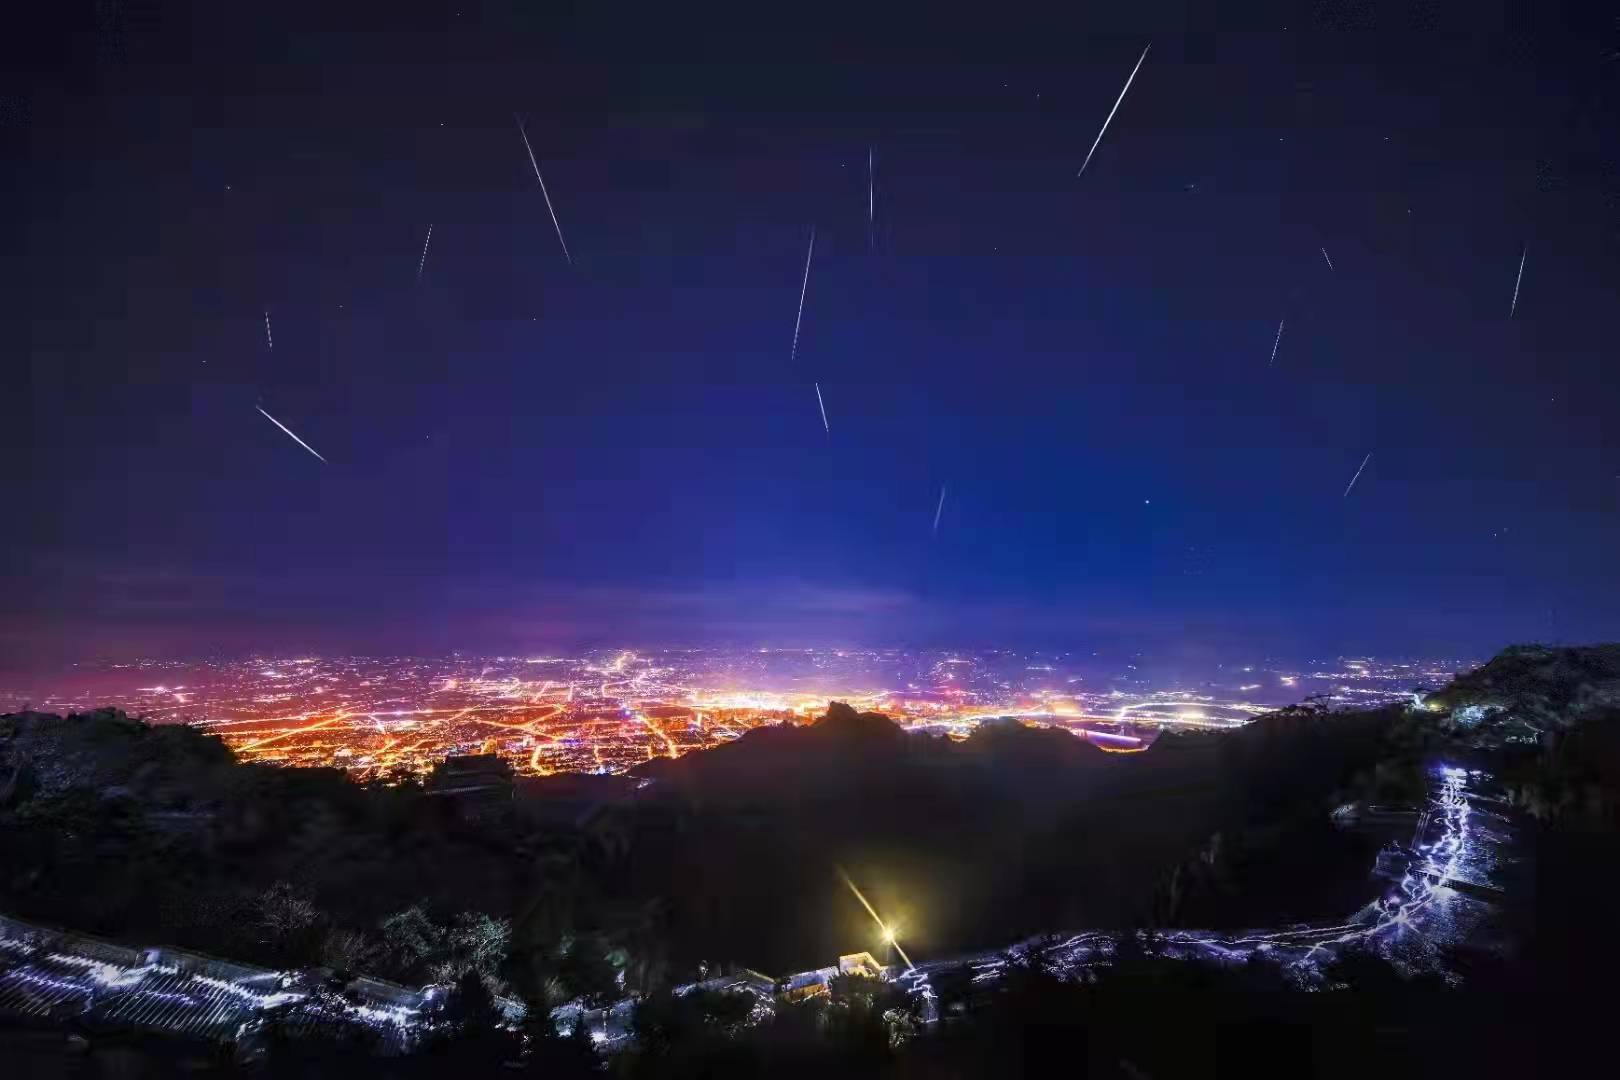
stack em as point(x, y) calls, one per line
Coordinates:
point(523, 454)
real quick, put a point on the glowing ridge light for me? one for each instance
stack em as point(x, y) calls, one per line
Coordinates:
point(1110, 736)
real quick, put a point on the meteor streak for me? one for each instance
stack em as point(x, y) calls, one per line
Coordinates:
point(871, 193)
point(1325, 256)
point(823, 406)
point(543, 191)
point(1278, 342)
point(1356, 477)
point(290, 435)
point(1522, 256)
point(423, 263)
point(940, 509)
point(1112, 111)
point(269, 342)
point(803, 288)
point(871, 200)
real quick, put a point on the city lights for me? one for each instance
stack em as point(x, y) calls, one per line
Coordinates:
point(613, 710)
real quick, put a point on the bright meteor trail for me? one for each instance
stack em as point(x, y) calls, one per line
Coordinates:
point(823, 406)
point(1356, 477)
point(1112, 111)
point(871, 201)
point(423, 263)
point(543, 191)
point(803, 288)
point(1522, 255)
point(1278, 342)
point(290, 435)
point(1326, 256)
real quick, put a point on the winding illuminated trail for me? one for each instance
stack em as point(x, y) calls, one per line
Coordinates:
point(48, 973)
point(1405, 926)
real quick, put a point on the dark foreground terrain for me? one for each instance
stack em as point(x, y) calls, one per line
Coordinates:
point(582, 890)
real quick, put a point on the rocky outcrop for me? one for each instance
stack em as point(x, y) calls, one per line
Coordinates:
point(1526, 691)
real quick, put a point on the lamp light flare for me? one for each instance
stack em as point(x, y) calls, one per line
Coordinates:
point(940, 509)
point(1112, 111)
point(804, 287)
point(1356, 477)
point(1276, 343)
point(1326, 256)
point(883, 928)
point(421, 265)
point(823, 406)
point(547, 195)
point(1522, 256)
point(290, 435)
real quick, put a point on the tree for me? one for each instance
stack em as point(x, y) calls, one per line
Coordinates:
point(347, 950)
point(411, 941)
point(474, 1041)
point(476, 942)
point(559, 1057)
point(470, 1006)
point(586, 970)
point(953, 989)
point(289, 919)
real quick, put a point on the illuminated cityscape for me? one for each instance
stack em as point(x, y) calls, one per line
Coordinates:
point(611, 710)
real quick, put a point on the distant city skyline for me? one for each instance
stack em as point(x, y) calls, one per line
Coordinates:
point(609, 711)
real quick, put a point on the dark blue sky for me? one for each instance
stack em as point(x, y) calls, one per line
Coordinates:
point(523, 454)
